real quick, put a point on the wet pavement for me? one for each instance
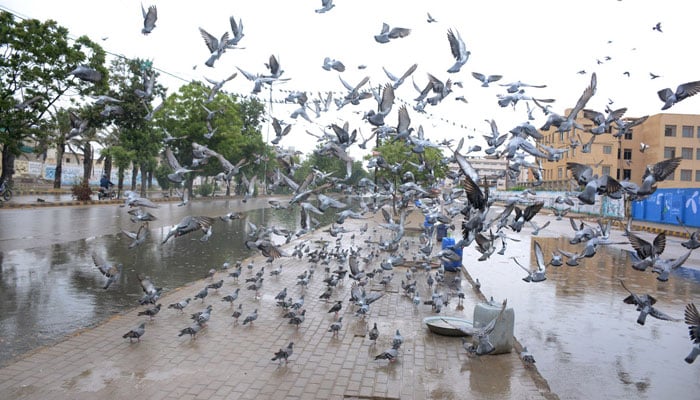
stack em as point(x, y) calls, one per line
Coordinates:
point(584, 338)
point(229, 360)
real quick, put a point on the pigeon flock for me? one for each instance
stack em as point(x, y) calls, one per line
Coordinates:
point(371, 254)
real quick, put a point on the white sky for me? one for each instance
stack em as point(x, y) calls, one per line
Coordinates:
point(537, 41)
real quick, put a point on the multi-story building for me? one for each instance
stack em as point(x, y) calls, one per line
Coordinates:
point(491, 170)
point(660, 137)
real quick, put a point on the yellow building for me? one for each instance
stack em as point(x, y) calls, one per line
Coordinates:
point(664, 136)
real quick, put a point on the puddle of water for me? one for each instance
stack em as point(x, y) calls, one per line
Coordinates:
point(583, 336)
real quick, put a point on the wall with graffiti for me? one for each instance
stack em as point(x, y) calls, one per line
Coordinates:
point(668, 206)
point(69, 175)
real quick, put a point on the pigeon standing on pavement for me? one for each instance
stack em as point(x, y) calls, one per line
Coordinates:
point(251, 317)
point(151, 311)
point(136, 333)
point(336, 307)
point(374, 334)
point(284, 354)
point(180, 305)
point(336, 326)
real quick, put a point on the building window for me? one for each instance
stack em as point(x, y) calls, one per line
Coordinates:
point(608, 150)
point(697, 154)
point(670, 131)
point(697, 175)
point(67, 160)
point(606, 170)
point(627, 154)
point(560, 173)
point(687, 153)
point(698, 130)
point(686, 174)
point(669, 152)
point(687, 131)
point(671, 177)
point(628, 134)
point(626, 174)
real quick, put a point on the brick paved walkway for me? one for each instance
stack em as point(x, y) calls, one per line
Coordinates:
point(232, 361)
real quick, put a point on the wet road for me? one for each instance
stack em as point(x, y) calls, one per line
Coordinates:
point(51, 287)
point(585, 339)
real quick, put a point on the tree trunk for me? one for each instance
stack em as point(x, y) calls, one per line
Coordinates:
point(134, 173)
point(8, 165)
point(120, 180)
point(60, 151)
point(143, 180)
point(107, 163)
point(87, 161)
point(150, 179)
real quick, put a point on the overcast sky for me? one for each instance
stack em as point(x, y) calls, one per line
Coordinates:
point(537, 42)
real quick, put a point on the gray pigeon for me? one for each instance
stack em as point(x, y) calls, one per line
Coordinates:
point(191, 330)
point(326, 5)
point(459, 51)
point(180, 305)
point(251, 317)
point(537, 274)
point(374, 334)
point(202, 294)
point(85, 73)
point(389, 354)
point(111, 271)
point(190, 224)
point(231, 297)
point(692, 319)
point(336, 326)
point(669, 97)
point(151, 311)
point(284, 354)
point(149, 19)
point(136, 333)
point(645, 307)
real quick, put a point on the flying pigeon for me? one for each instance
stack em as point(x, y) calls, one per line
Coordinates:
point(538, 274)
point(326, 5)
point(682, 92)
point(111, 271)
point(85, 73)
point(644, 305)
point(149, 19)
point(190, 224)
point(459, 51)
point(692, 319)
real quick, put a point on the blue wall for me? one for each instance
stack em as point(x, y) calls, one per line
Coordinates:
point(666, 204)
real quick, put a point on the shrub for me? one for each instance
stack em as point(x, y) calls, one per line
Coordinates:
point(81, 191)
point(205, 189)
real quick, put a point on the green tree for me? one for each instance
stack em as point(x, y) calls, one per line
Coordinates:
point(398, 152)
point(134, 83)
point(236, 123)
point(329, 164)
point(34, 70)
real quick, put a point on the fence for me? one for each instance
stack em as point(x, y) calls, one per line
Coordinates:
point(667, 206)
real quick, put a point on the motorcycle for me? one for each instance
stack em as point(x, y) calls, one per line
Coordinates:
point(105, 193)
point(5, 192)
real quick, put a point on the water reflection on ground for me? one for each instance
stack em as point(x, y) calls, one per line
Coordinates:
point(583, 336)
point(49, 292)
